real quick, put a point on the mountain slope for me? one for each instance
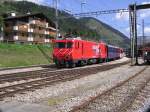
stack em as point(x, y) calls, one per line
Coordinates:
point(106, 32)
point(88, 28)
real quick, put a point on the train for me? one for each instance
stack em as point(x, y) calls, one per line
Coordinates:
point(72, 52)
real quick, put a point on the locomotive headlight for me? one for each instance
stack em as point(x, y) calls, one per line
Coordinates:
point(68, 57)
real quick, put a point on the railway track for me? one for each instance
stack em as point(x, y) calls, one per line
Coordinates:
point(24, 75)
point(53, 77)
point(118, 98)
point(30, 75)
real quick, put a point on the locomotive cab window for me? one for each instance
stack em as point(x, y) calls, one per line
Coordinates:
point(69, 44)
point(60, 45)
point(63, 45)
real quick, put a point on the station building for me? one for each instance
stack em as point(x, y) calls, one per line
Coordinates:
point(29, 28)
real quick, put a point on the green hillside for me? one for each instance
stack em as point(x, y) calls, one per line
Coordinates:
point(106, 32)
point(87, 28)
point(13, 55)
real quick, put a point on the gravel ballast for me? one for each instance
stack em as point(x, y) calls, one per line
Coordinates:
point(120, 98)
point(63, 96)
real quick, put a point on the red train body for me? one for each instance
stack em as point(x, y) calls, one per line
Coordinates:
point(72, 52)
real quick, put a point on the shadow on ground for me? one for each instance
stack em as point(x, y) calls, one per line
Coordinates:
point(1, 110)
point(148, 110)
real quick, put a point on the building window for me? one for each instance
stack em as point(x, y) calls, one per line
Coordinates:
point(34, 35)
point(15, 33)
point(6, 34)
point(40, 28)
point(6, 25)
point(41, 36)
point(22, 34)
point(33, 26)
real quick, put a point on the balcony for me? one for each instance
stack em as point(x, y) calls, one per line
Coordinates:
point(20, 38)
point(30, 39)
point(46, 33)
point(37, 31)
point(39, 40)
point(39, 23)
point(52, 33)
point(23, 28)
point(47, 40)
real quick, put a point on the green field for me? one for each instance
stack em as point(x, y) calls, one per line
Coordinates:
point(14, 55)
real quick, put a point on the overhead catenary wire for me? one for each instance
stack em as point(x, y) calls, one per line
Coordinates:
point(85, 14)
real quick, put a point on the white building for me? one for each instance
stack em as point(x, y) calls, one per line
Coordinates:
point(1, 34)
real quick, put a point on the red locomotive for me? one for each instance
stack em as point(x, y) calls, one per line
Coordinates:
point(70, 52)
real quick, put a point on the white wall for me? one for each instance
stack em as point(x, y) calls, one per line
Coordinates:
point(1, 35)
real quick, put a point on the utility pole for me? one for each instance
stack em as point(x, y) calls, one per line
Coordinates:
point(131, 34)
point(135, 34)
point(82, 5)
point(143, 34)
point(56, 17)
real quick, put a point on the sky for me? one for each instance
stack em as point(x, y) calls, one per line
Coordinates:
point(119, 21)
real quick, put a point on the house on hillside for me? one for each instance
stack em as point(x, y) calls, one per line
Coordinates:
point(1, 34)
point(29, 28)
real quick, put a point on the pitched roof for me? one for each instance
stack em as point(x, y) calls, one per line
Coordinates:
point(26, 16)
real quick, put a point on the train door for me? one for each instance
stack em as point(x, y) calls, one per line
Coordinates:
point(82, 49)
point(107, 51)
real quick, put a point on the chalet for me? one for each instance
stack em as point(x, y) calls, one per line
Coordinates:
point(29, 28)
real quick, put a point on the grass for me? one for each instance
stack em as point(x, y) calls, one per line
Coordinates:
point(15, 55)
point(58, 100)
point(55, 101)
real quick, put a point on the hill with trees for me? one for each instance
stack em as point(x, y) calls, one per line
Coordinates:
point(87, 28)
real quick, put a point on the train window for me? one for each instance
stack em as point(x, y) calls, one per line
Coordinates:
point(60, 45)
point(76, 45)
point(69, 44)
point(148, 53)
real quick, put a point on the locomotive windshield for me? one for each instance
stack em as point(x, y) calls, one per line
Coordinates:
point(69, 44)
point(63, 45)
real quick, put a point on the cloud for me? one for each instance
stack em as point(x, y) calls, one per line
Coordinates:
point(35, 1)
point(122, 16)
point(147, 29)
point(146, 12)
point(145, 2)
point(127, 30)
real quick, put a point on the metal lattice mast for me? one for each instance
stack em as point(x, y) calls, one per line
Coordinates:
point(56, 17)
point(131, 35)
point(143, 32)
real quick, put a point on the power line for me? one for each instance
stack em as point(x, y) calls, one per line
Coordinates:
point(96, 13)
point(101, 12)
